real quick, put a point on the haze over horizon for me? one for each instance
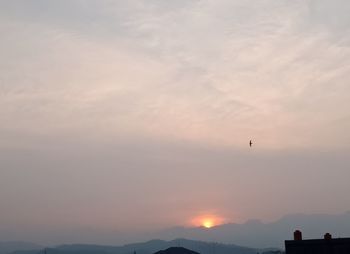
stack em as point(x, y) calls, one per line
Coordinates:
point(135, 116)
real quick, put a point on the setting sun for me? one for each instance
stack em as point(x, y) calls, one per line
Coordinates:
point(208, 223)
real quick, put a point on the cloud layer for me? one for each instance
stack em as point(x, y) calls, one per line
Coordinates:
point(108, 107)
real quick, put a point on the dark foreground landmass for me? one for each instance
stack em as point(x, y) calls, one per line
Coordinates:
point(149, 247)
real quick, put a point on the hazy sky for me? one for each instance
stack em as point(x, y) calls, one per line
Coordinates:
point(125, 116)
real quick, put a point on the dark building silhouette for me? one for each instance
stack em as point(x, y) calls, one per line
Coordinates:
point(298, 235)
point(327, 245)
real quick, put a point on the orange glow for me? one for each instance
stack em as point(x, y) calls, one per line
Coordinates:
point(207, 221)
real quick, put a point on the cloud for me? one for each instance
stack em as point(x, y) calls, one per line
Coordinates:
point(133, 99)
point(208, 69)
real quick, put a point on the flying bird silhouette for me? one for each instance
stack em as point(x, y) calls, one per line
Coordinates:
point(250, 143)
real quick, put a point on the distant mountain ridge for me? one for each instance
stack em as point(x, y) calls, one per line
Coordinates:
point(256, 234)
point(253, 233)
point(9, 247)
point(149, 247)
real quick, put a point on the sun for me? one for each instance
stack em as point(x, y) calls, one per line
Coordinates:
point(207, 220)
point(207, 223)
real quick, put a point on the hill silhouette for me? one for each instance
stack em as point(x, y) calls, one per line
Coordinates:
point(257, 234)
point(9, 247)
point(149, 247)
point(176, 250)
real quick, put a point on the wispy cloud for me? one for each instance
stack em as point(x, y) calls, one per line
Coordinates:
point(208, 69)
point(156, 80)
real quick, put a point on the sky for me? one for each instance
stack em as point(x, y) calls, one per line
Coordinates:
point(131, 116)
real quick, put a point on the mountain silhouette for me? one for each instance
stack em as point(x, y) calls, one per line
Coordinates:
point(9, 247)
point(257, 234)
point(176, 250)
point(149, 247)
point(254, 233)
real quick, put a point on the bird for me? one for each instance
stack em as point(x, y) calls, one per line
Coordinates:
point(250, 143)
